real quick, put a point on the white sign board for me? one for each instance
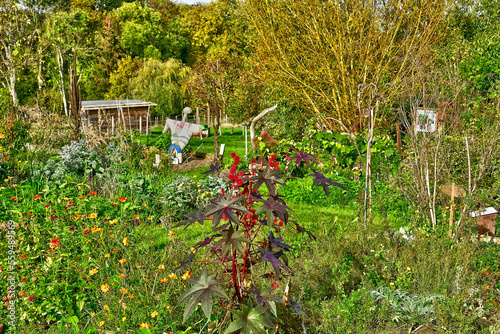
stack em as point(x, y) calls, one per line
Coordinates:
point(426, 120)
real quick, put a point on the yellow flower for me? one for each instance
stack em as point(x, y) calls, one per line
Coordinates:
point(105, 288)
point(125, 241)
point(186, 275)
point(169, 309)
point(408, 268)
point(154, 314)
point(122, 276)
point(45, 190)
point(161, 267)
point(92, 314)
point(124, 291)
point(79, 187)
point(114, 221)
point(101, 324)
point(150, 217)
point(144, 205)
point(93, 215)
point(106, 255)
point(122, 261)
point(124, 318)
point(180, 185)
point(164, 280)
point(95, 229)
point(144, 325)
point(66, 199)
point(193, 250)
point(131, 296)
point(172, 276)
point(6, 180)
point(171, 233)
point(106, 307)
point(93, 272)
point(391, 284)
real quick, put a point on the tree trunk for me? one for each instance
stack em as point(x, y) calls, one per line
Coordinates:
point(12, 87)
point(75, 100)
point(252, 125)
point(62, 90)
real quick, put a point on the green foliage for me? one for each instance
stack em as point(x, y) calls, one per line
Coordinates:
point(405, 306)
point(202, 291)
point(183, 194)
point(163, 83)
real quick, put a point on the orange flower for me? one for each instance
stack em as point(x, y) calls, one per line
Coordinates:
point(15, 185)
point(164, 280)
point(95, 229)
point(70, 203)
point(37, 197)
point(92, 193)
point(83, 196)
point(105, 288)
point(124, 291)
point(93, 215)
point(14, 199)
point(55, 243)
point(144, 325)
point(122, 261)
point(122, 199)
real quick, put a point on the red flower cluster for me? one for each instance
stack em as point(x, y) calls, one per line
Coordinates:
point(233, 176)
point(122, 199)
point(55, 243)
point(37, 197)
point(14, 199)
point(92, 193)
point(273, 163)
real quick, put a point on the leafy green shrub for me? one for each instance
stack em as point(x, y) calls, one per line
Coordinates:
point(184, 194)
point(75, 158)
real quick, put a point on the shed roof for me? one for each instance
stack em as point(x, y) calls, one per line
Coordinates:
point(108, 104)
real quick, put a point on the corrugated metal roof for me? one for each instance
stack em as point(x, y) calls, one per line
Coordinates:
point(103, 104)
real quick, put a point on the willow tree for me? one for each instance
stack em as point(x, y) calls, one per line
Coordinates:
point(321, 51)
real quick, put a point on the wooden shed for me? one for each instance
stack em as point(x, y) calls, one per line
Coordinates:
point(111, 115)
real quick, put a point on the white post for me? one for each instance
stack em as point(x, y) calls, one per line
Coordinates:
point(147, 123)
point(197, 115)
point(246, 143)
point(140, 124)
point(112, 125)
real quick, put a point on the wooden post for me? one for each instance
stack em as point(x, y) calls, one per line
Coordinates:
point(112, 125)
point(140, 124)
point(129, 121)
point(197, 115)
point(147, 123)
point(398, 135)
point(453, 191)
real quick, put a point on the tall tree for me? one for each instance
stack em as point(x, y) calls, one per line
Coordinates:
point(17, 37)
point(64, 34)
point(321, 51)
